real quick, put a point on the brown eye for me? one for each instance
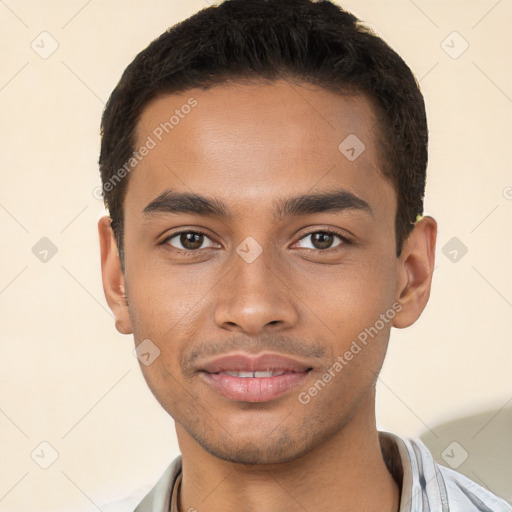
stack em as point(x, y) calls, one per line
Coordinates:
point(187, 240)
point(191, 240)
point(323, 240)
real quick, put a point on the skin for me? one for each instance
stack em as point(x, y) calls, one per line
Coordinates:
point(249, 146)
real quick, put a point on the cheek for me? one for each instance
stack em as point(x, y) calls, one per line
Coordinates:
point(167, 308)
point(357, 317)
point(353, 297)
point(165, 300)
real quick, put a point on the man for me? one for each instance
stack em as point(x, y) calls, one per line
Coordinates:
point(263, 164)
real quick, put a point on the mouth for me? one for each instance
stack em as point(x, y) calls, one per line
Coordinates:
point(247, 375)
point(244, 378)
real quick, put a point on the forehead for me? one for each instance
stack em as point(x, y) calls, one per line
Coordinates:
point(245, 143)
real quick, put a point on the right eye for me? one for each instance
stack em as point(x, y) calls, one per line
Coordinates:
point(186, 241)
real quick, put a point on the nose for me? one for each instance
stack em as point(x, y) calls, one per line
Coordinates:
point(255, 296)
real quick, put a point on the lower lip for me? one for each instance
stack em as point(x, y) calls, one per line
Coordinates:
point(253, 389)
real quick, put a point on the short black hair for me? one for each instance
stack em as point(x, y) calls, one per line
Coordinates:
point(314, 42)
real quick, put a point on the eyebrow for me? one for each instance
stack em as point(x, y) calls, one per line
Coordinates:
point(308, 204)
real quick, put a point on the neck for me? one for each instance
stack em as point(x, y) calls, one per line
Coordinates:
point(347, 473)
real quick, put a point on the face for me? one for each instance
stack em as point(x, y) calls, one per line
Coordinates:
point(290, 252)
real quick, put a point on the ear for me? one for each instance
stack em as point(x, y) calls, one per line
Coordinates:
point(414, 272)
point(113, 278)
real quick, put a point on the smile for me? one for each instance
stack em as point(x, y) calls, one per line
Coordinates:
point(261, 386)
point(258, 375)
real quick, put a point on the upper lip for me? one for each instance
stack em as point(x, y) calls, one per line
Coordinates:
point(254, 363)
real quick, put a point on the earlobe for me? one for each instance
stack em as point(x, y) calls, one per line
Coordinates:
point(114, 285)
point(414, 272)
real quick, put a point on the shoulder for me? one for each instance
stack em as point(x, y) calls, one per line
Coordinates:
point(126, 503)
point(149, 499)
point(427, 481)
point(465, 494)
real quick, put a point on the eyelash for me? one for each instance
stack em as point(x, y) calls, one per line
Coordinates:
point(344, 239)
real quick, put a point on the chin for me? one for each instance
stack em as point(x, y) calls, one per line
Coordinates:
point(277, 450)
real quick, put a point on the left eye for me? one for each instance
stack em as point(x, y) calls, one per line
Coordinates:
point(189, 240)
point(323, 240)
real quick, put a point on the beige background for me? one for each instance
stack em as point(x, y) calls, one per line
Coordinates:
point(68, 378)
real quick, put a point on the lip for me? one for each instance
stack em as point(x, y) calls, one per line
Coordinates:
point(253, 389)
point(249, 363)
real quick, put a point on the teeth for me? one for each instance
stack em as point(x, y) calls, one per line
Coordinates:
point(253, 374)
point(240, 374)
point(267, 374)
